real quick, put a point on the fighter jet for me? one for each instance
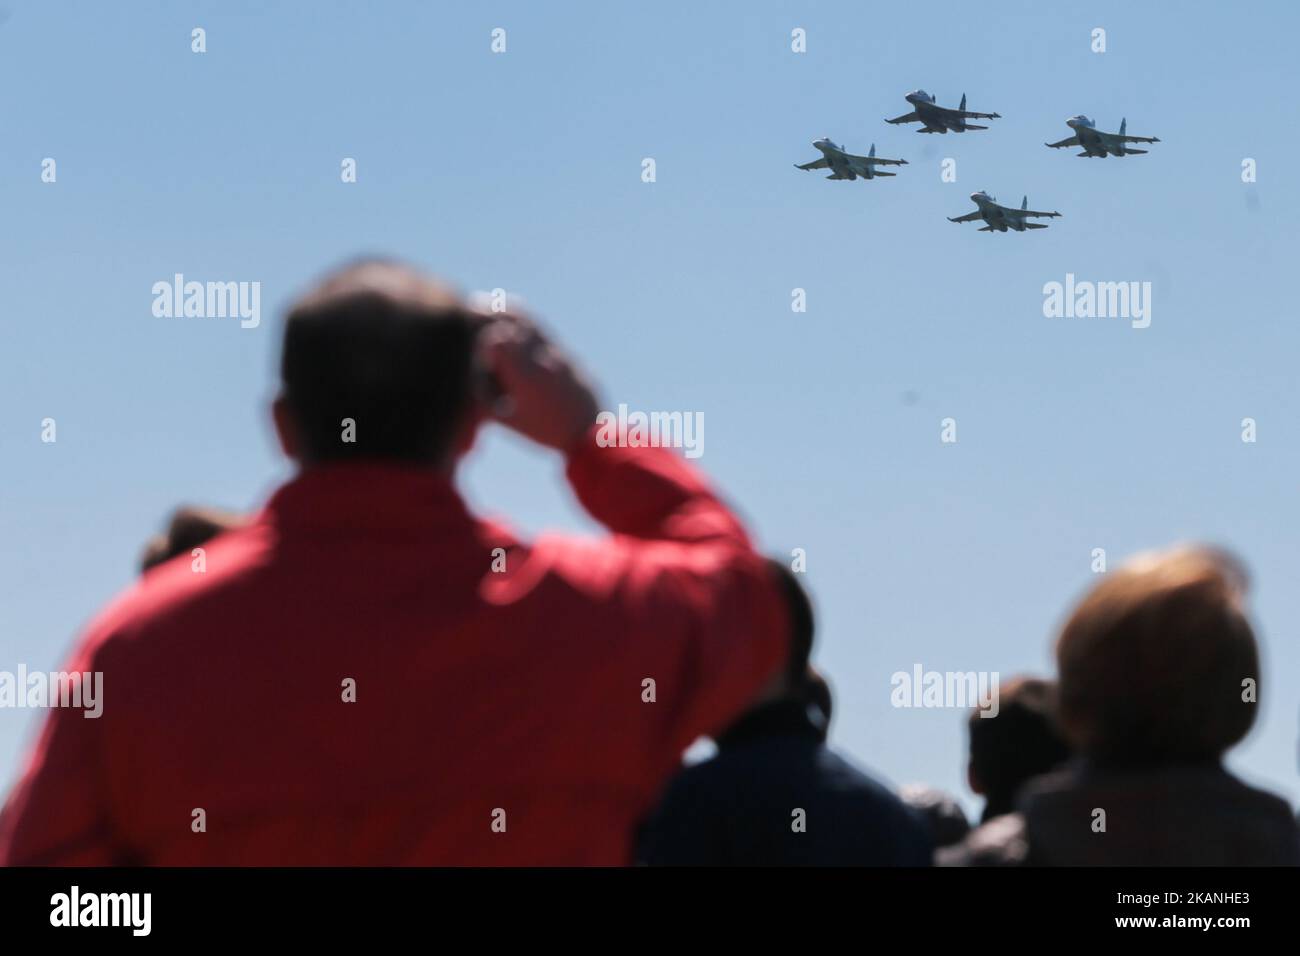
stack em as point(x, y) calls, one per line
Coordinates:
point(1001, 218)
point(847, 166)
point(939, 119)
point(1096, 143)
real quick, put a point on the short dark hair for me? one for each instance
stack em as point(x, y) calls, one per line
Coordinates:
point(189, 528)
point(1154, 660)
point(1020, 742)
point(386, 346)
point(800, 609)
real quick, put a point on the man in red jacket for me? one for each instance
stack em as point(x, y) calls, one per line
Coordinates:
point(366, 673)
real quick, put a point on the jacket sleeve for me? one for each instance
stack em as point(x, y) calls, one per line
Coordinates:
point(696, 610)
point(58, 815)
point(650, 493)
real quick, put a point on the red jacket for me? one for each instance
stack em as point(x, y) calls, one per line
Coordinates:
point(484, 699)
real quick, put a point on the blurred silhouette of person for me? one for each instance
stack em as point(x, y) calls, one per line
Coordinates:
point(188, 528)
point(1158, 676)
point(939, 810)
point(775, 794)
point(1021, 742)
point(367, 673)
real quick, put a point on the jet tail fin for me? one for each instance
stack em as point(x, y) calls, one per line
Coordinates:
point(1123, 125)
point(873, 150)
point(972, 126)
point(879, 173)
point(985, 229)
point(1024, 203)
point(1035, 225)
point(963, 102)
point(1129, 150)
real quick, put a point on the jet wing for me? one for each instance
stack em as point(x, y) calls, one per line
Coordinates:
point(822, 163)
point(1137, 139)
point(1029, 212)
point(1071, 141)
point(967, 114)
point(905, 118)
point(969, 217)
point(876, 161)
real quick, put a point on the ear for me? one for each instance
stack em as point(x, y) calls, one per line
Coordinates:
point(286, 428)
point(973, 780)
point(467, 430)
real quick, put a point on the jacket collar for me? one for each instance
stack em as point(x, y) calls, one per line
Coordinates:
point(368, 496)
point(785, 717)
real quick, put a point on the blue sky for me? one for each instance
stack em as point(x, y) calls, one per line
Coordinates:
point(522, 171)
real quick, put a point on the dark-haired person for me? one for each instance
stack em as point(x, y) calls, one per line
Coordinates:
point(367, 673)
point(188, 528)
point(775, 794)
point(1021, 742)
point(939, 810)
point(1158, 678)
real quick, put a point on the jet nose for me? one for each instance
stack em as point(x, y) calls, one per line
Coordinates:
point(974, 197)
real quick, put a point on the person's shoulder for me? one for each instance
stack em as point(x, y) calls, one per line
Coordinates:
point(1266, 801)
point(846, 773)
point(695, 791)
point(625, 570)
point(893, 828)
point(1268, 813)
point(704, 779)
point(174, 588)
point(1003, 841)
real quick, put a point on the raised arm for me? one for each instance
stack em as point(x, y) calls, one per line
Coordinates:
point(679, 595)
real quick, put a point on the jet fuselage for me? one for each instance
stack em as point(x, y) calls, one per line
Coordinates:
point(841, 166)
point(994, 216)
point(933, 118)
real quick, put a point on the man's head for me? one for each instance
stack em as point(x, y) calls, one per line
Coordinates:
point(800, 610)
point(1153, 662)
point(797, 681)
point(1021, 742)
point(388, 349)
point(189, 528)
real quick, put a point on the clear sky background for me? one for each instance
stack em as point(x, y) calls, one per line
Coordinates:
point(523, 171)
